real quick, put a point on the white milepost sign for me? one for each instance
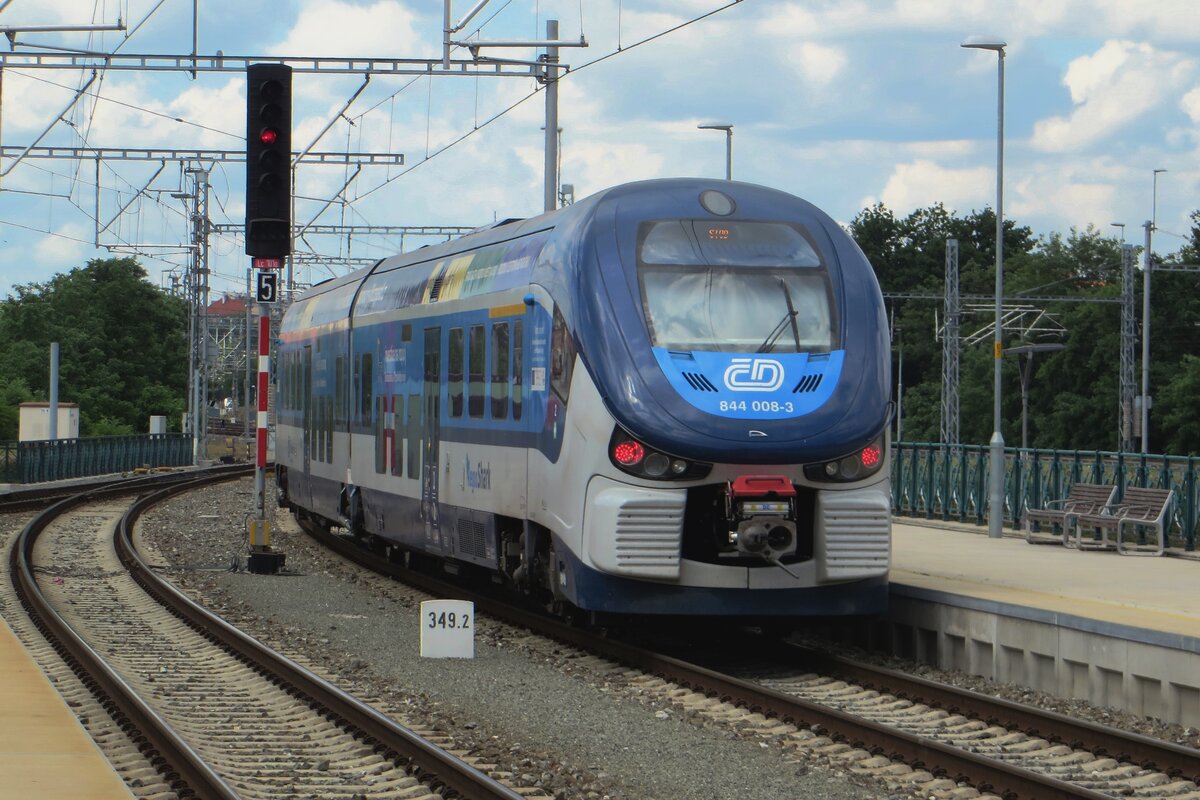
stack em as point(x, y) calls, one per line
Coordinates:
point(448, 629)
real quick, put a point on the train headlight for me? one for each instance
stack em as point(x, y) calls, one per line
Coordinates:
point(862, 463)
point(656, 465)
point(635, 458)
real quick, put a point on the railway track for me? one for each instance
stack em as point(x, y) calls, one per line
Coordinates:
point(214, 712)
point(39, 498)
point(904, 730)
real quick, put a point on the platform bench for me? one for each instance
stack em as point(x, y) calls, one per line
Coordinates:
point(1084, 498)
point(1139, 509)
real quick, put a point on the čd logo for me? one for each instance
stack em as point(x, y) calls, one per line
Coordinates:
point(754, 375)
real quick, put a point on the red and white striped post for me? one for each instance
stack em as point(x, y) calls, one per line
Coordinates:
point(260, 527)
point(263, 559)
point(264, 374)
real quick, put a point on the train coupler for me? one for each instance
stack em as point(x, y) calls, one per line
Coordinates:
point(764, 509)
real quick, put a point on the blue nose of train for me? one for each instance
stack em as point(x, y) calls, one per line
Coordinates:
point(742, 403)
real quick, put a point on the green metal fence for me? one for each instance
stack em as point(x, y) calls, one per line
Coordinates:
point(54, 460)
point(8, 462)
point(937, 481)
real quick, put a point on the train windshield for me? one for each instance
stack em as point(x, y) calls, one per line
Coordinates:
point(734, 286)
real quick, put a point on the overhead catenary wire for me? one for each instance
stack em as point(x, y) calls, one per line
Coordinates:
point(431, 152)
point(430, 155)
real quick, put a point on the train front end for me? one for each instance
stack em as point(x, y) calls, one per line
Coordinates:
point(739, 363)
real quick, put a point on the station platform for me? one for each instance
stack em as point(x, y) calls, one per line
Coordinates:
point(1121, 631)
point(44, 751)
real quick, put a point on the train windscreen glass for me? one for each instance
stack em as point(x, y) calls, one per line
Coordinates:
point(734, 286)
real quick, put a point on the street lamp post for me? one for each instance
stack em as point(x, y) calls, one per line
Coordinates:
point(1147, 263)
point(996, 450)
point(728, 128)
point(1120, 225)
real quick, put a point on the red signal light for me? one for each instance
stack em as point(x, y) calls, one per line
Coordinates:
point(268, 136)
point(629, 453)
point(870, 456)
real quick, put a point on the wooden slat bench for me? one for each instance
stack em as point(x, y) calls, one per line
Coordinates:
point(1138, 509)
point(1084, 498)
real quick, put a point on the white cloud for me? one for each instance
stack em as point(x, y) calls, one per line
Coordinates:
point(65, 248)
point(1111, 90)
point(1060, 194)
point(922, 183)
point(32, 102)
point(596, 165)
point(817, 63)
point(202, 115)
point(1014, 20)
point(1190, 103)
point(384, 29)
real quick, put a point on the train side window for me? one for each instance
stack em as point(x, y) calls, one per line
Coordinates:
point(367, 390)
point(290, 372)
point(478, 359)
point(308, 402)
point(339, 411)
point(327, 405)
point(398, 435)
point(352, 409)
point(562, 356)
point(414, 435)
point(500, 370)
point(454, 377)
point(381, 434)
point(518, 362)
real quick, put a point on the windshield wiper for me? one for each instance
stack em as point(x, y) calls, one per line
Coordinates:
point(789, 319)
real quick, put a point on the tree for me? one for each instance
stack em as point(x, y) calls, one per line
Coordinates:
point(122, 341)
point(909, 258)
point(13, 392)
point(1177, 419)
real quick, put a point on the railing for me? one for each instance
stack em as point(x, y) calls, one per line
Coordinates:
point(53, 460)
point(938, 481)
point(8, 462)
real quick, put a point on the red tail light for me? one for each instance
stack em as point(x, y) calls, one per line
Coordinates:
point(629, 453)
point(871, 456)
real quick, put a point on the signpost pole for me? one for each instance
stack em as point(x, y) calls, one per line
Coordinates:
point(263, 558)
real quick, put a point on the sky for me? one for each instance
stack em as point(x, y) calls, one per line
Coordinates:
point(846, 103)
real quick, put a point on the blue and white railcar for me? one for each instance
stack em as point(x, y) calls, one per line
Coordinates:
point(668, 398)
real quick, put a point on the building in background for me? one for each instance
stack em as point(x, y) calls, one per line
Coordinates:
point(35, 422)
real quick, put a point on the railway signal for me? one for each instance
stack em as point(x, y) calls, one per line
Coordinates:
point(268, 241)
point(268, 160)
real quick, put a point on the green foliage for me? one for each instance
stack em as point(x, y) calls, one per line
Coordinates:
point(107, 426)
point(1176, 409)
point(1073, 393)
point(13, 392)
point(122, 341)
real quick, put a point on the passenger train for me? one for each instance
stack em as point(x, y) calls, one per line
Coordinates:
point(671, 397)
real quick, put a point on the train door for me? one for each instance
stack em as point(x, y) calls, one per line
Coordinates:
point(309, 413)
point(431, 406)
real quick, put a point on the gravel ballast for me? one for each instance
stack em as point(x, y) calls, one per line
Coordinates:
point(568, 724)
point(556, 719)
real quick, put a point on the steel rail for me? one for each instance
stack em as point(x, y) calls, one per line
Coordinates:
point(429, 763)
point(984, 773)
point(186, 772)
point(43, 496)
point(1174, 760)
